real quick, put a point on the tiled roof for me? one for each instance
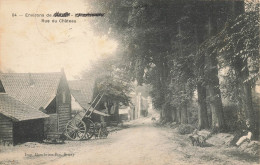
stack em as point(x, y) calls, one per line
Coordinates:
point(81, 98)
point(34, 89)
point(17, 110)
point(82, 91)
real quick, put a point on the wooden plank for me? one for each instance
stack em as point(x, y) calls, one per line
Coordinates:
point(6, 130)
point(6, 138)
point(6, 127)
point(64, 106)
point(64, 115)
point(62, 126)
point(64, 112)
point(64, 118)
point(63, 122)
point(5, 121)
point(6, 135)
point(64, 109)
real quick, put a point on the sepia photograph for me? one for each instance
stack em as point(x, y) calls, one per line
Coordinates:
point(129, 82)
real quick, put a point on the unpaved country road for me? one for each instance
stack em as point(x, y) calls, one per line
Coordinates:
point(140, 144)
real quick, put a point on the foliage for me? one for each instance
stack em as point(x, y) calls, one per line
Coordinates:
point(185, 129)
point(238, 48)
point(170, 45)
point(110, 81)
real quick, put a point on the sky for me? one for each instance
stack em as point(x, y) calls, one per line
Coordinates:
point(29, 45)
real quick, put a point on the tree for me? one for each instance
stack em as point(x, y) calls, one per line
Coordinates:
point(243, 56)
point(160, 41)
point(238, 44)
point(213, 80)
point(111, 83)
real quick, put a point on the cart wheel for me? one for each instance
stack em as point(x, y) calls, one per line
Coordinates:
point(75, 129)
point(90, 128)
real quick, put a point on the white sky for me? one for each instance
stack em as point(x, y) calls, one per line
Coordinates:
point(27, 45)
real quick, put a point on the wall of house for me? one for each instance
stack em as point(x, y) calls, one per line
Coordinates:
point(63, 104)
point(6, 130)
point(28, 131)
point(123, 117)
point(132, 113)
point(50, 123)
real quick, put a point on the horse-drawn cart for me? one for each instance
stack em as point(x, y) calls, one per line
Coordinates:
point(82, 127)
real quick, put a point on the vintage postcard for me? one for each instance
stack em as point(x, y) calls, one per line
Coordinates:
point(133, 82)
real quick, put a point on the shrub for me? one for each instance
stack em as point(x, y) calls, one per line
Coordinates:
point(185, 129)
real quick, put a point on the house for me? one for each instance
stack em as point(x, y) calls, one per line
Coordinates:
point(142, 106)
point(19, 122)
point(124, 113)
point(81, 97)
point(142, 101)
point(47, 92)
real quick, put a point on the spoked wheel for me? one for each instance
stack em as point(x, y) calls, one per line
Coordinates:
point(76, 129)
point(90, 128)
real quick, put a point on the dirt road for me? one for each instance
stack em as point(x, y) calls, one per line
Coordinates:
point(140, 144)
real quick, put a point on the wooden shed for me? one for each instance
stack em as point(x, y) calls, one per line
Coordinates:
point(47, 92)
point(19, 122)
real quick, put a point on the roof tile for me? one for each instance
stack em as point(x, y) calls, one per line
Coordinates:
point(82, 91)
point(34, 89)
point(17, 110)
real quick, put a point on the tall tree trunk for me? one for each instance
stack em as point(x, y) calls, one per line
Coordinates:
point(116, 110)
point(201, 88)
point(174, 115)
point(203, 122)
point(215, 101)
point(184, 114)
point(164, 113)
point(162, 65)
point(246, 110)
point(178, 112)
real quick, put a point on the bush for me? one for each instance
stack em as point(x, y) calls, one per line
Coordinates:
point(185, 129)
